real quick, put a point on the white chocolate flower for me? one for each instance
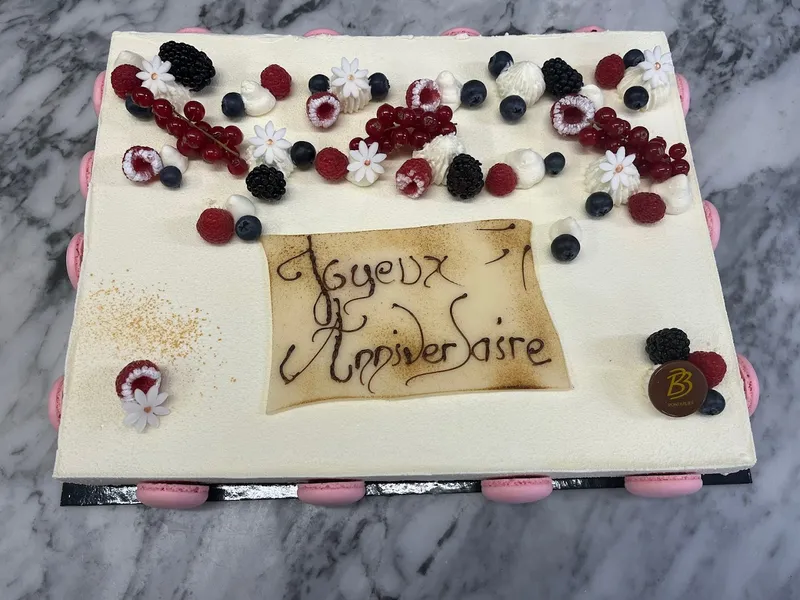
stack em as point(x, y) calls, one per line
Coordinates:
point(365, 167)
point(144, 410)
point(615, 174)
point(155, 75)
point(350, 78)
point(268, 142)
point(656, 66)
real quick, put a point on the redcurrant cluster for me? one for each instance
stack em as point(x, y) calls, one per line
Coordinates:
point(196, 138)
point(609, 132)
point(398, 127)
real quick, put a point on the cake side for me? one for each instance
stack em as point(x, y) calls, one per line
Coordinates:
point(213, 332)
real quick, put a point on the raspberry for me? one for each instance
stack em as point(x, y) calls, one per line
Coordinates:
point(646, 207)
point(276, 80)
point(414, 177)
point(136, 375)
point(141, 164)
point(323, 108)
point(609, 71)
point(331, 164)
point(501, 180)
point(712, 366)
point(215, 226)
point(124, 80)
point(424, 94)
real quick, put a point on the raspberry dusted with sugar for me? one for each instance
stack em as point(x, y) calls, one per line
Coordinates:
point(609, 71)
point(414, 177)
point(323, 108)
point(331, 164)
point(424, 94)
point(141, 164)
point(571, 114)
point(124, 80)
point(277, 81)
point(711, 364)
point(215, 226)
point(137, 375)
point(501, 180)
point(646, 208)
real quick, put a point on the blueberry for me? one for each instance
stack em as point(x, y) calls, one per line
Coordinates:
point(512, 108)
point(473, 93)
point(319, 83)
point(171, 177)
point(633, 58)
point(232, 105)
point(713, 404)
point(636, 97)
point(499, 62)
point(554, 163)
point(565, 247)
point(248, 228)
point(140, 112)
point(302, 154)
point(379, 85)
point(599, 204)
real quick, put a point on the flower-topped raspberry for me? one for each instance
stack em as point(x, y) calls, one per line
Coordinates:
point(145, 409)
point(155, 75)
point(269, 142)
point(424, 94)
point(656, 66)
point(350, 78)
point(365, 168)
point(572, 113)
point(323, 109)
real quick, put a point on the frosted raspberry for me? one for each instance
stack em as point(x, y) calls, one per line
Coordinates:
point(646, 207)
point(323, 108)
point(141, 164)
point(501, 180)
point(136, 375)
point(572, 113)
point(711, 364)
point(124, 80)
point(609, 71)
point(424, 94)
point(331, 164)
point(414, 177)
point(277, 81)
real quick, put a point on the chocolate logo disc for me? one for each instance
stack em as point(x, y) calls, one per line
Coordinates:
point(677, 388)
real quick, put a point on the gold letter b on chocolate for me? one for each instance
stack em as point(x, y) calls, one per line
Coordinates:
point(680, 383)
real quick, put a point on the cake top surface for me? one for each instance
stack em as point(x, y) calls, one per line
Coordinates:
point(152, 288)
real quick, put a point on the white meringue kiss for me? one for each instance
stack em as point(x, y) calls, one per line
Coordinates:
point(450, 88)
point(523, 79)
point(566, 225)
point(239, 206)
point(257, 100)
point(528, 165)
point(675, 192)
point(170, 157)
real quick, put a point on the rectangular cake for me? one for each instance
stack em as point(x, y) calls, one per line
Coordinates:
point(499, 360)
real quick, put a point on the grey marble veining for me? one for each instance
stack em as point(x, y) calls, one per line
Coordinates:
point(743, 61)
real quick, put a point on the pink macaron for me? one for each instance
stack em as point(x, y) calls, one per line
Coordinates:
point(85, 172)
point(331, 493)
point(752, 389)
point(321, 31)
point(75, 259)
point(589, 29)
point(97, 91)
point(171, 495)
point(517, 490)
point(459, 30)
point(684, 93)
point(713, 221)
point(663, 486)
point(54, 402)
point(193, 30)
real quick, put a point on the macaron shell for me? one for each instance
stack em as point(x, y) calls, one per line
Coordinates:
point(97, 91)
point(589, 29)
point(75, 259)
point(85, 173)
point(171, 495)
point(713, 221)
point(459, 30)
point(333, 493)
point(663, 486)
point(54, 402)
point(321, 31)
point(193, 30)
point(517, 490)
point(684, 93)
point(752, 389)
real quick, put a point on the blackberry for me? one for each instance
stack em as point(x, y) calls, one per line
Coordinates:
point(464, 177)
point(266, 183)
point(191, 67)
point(667, 345)
point(560, 79)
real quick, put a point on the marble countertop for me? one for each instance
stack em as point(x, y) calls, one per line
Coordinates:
point(726, 542)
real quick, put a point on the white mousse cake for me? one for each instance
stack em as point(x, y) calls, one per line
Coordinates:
point(395, 319)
